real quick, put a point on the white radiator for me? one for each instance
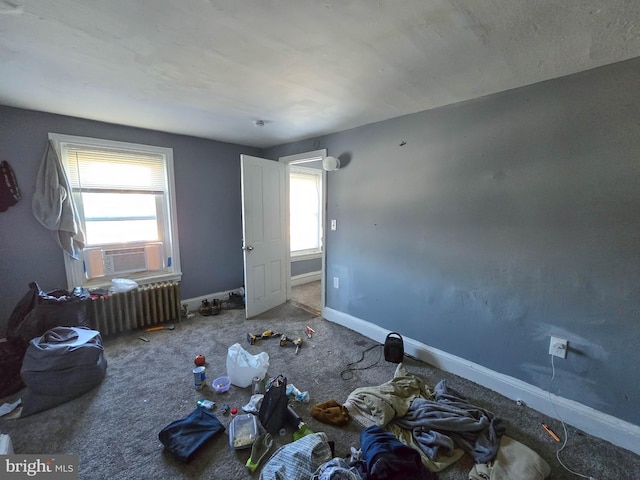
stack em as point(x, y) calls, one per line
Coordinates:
point(145, 306)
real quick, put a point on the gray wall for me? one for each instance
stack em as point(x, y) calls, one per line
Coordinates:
point(306, 266)
point(500, 222)
point(208, 200)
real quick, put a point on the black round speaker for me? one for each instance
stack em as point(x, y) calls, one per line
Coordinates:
point(394, 348)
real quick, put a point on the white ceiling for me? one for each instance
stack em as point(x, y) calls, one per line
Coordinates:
point(213, 68)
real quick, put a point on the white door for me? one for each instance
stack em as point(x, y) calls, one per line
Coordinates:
point(264, 234)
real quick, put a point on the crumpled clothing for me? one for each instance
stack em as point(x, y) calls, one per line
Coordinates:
point(254, 404)
point(433, 443)
point(474, 429)
point(387, 458)
point(379, 405)
point(514, 460)
point(356, 454)
point(297, 394)
point(330, 412)
point(184, 437)
point(337, 469)
point(298, 459)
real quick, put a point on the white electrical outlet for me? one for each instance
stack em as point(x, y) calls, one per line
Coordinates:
point(336, 282)
point(558, 347)
point(334, 225)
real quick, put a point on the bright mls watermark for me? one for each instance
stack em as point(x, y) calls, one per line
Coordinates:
point(50, 467)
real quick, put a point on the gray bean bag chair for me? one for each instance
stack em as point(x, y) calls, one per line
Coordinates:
point(61, 365)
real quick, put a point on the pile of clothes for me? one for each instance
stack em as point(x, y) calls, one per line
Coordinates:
point(381, 457)
point(438, 427)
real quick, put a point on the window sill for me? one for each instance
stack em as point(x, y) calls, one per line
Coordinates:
point(297, 257)
point(139, 279)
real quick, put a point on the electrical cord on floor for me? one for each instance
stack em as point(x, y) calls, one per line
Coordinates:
point(564, 427)
point(350, 369)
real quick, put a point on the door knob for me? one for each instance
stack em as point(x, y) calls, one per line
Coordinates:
point(248, 248)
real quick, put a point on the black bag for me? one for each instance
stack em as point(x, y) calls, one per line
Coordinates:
point(9, 191)
point(38, 312)
point(10, 363)
point(20, 312)
point(273, 411)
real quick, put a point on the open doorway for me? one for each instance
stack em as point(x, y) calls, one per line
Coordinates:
point(305, 207)
point(308, 296)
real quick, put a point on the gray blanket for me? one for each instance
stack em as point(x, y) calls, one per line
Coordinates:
point(438, 426)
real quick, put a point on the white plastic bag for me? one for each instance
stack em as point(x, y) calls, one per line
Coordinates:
point(121, 285)
point(242, 367)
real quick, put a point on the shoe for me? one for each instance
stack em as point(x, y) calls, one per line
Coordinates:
point(216, 307)
point(235, 301)
point(205, 308)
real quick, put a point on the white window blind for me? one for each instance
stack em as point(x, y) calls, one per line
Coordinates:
point(106, 169)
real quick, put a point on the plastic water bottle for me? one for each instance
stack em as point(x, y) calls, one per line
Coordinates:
point(204, 403)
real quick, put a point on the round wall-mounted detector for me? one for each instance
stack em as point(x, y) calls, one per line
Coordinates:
point(259, 123)
point(330, 164)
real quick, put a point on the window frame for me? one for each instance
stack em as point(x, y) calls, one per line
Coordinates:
point(309, 253)
point(167, 221)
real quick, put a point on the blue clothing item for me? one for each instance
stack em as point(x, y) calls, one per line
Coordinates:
point(184, 437)
point(388, 458)
point(337, 469)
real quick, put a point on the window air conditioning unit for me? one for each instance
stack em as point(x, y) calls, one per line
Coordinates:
point(100, 262)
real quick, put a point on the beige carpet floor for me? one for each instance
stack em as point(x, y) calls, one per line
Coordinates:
point(308, 295)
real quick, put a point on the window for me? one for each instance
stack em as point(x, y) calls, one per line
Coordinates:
point(305, 204)
point(125, 198)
